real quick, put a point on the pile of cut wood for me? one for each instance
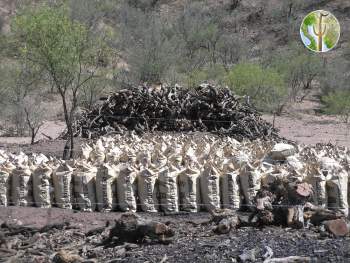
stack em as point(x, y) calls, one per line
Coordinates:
point(205, 109)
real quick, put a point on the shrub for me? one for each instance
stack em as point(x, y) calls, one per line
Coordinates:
point(264, 86)
point(214, 74)
point(338, 103)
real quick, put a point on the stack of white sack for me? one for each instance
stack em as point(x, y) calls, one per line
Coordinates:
point(171, 173)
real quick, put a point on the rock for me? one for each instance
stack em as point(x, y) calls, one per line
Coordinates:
point(337, 227)
point(281, 151)
point(248, 256)
point(292, 259)
point(120, 252)
point(66, 257)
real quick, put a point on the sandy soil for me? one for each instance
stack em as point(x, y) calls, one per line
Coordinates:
point(302, 123)
point(309, 129)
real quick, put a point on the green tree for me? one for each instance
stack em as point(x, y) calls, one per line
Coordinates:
point(338, 103)
point(299, 68)
point(264, 86)
point(64, 49)
point(215, 74)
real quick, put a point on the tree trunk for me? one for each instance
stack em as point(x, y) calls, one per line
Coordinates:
point(69, 147)
point(32, 130)
point(71, 142)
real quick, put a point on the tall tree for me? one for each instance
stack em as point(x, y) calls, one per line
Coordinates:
point(62, 47)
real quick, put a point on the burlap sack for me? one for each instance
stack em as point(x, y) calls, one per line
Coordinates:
point(168, 192)
point(337, 191)
point(62, 182)
point(20, 159)
point(175, 160)
point(143, 158)
point(147, 181)
point(84, 178)
point(106, 188)
point(189, 190)
point(5, 183)
point(318, 181)
point(40, 159)
point(210, 184)
point(230, 190)
point(202, 152)
point(240, 159)
point(128, 156)
point(158, 160)
point(127, 188)
point(42, 182)
point(97, 155)
point(113, 154)
point(22, 186)
point(86, 151)
point(249, 179)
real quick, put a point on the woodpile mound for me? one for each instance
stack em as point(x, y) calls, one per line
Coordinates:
point(175, 109)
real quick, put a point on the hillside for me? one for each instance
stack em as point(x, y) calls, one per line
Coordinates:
point(188, 42)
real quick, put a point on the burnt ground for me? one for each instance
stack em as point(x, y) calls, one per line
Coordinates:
point(194, 240)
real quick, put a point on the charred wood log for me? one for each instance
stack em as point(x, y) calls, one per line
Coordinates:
point(134, 229)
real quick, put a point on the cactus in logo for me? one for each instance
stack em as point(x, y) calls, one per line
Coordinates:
point(321, 32)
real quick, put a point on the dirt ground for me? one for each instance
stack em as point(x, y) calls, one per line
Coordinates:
point(302, 124)
point(194, 240)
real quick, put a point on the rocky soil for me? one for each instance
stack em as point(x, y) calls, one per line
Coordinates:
point(82, 240)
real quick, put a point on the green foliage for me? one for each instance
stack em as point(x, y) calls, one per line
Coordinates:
point(336, 75)
point(214, 74)
point(51, 39)
point(264, 86)
point(338, 103)
point(298, 68)
point(64, 49)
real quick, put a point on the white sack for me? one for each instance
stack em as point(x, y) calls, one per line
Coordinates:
point(147, 190)
point(62, 182)
point(158, 160)
point(84, 187)
point(189, 190)
point(42, 186)
point(5, 185)
point(337, 191)
point(210, 184)
point(22, 186)
point(318, 182)
point(113, 154)
point(126, 189)
point(250, 183)
point(86, 151)
point(230, 190)
point(106, 188)
point(168, 189)
point(97, 155)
